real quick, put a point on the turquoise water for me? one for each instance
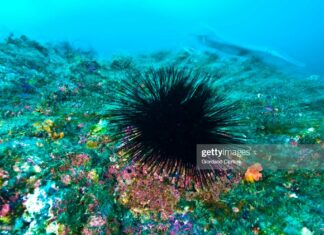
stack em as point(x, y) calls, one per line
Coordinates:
point(293, 28)
point(75, 79)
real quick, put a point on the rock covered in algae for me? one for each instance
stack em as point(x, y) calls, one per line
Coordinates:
point(56, 151)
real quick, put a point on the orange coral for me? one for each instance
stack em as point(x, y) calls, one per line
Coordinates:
point(253, 174)
point(49, 127)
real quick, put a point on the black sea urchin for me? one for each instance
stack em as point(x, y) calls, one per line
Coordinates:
point(165, 113)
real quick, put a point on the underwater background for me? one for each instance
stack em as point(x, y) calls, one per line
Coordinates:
point(292, 28)
point(62, 65)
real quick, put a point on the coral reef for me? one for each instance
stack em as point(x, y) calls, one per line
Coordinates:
point(61, 172)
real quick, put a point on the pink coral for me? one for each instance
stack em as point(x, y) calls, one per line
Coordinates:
point(3, 174)
point(66, 179)
point(4, 210)
point(146, 194)
point(80, 159)
point(96, 221)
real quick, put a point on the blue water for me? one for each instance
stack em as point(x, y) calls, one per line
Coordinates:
point(293, 28)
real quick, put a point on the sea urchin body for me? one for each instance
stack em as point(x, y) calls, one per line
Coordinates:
point(165, 113)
